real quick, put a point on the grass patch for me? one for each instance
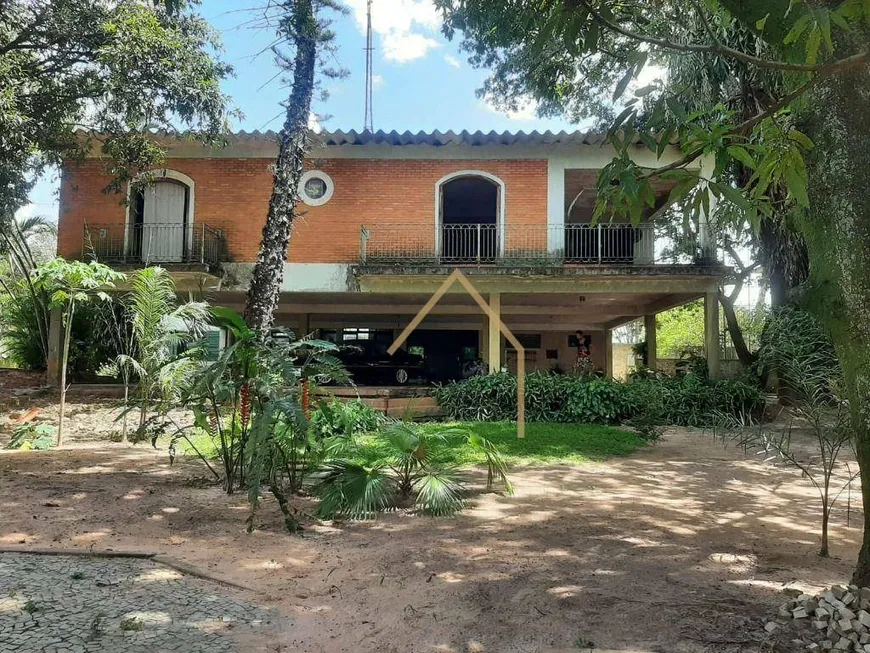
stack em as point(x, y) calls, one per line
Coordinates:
point(545, 443)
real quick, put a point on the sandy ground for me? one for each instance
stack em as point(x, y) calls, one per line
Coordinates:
point(683, 547)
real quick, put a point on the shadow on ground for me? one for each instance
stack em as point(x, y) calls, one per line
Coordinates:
point(683, 547)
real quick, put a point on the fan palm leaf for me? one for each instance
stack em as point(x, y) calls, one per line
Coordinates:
point(439, 493)
point(355, 491)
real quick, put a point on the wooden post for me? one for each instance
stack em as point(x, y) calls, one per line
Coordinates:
point(608, 353)
point(494, 333)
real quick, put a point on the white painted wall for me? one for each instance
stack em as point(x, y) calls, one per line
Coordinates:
point(316, 277)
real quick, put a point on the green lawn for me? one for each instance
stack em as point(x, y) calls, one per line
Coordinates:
point(544, 443)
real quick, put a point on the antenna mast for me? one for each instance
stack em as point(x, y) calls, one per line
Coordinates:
point(368, 124)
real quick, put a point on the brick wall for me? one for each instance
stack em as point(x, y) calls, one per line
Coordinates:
point(233, 195)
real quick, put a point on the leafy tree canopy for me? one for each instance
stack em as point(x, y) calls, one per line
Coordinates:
point(111, 69)
point(579, 57)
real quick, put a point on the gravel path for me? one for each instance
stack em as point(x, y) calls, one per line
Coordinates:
point(74, 604)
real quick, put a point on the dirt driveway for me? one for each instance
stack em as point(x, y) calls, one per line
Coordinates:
point(679, 548)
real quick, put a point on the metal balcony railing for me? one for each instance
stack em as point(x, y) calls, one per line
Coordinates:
point(488, 244)
point(147, 244)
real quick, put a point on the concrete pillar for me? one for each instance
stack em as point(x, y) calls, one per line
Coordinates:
point(608, 353)
point(55, 348)
point(494, 344)
point(652, 350)
point(711, 332)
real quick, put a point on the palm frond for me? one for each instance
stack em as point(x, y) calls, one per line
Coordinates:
point(496, 467)
point(439, 493)
point(354, 491)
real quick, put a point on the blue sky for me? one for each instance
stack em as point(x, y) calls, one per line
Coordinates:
point(422, 81)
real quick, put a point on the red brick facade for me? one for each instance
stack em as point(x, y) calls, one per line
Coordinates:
point(232, 195)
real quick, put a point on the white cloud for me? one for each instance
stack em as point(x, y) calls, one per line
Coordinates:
point(314, 123)
point(526, 111)
point(378, 81)
point(452, 61)
point(405, 47)
point(406, 27)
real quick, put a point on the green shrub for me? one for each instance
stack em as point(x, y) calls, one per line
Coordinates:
point(687, 401)
point(345, 418)
point(691, 400)
point(23, 343)
point(549, 398)
point(32, 436)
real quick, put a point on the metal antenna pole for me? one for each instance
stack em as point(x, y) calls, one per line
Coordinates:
point(368, 122)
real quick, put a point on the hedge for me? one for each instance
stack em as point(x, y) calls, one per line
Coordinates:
point(687, 401)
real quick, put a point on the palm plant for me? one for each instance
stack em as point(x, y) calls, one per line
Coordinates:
point(27, 307)
point(158, 326)
point(409, 475)
point(236, 399)
point(804, 358)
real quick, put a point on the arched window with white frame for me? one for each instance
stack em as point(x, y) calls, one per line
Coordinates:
point(160, 218)
point(470, 217)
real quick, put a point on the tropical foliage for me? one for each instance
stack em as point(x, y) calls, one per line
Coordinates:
point(32, 436)
point(154, 333)
point(68, 284)
point(405, 475)
point(248, 403)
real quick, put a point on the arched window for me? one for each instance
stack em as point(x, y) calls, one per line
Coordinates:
point(160, 218)
point(470, 216)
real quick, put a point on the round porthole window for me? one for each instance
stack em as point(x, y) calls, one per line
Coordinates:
point(315, 187)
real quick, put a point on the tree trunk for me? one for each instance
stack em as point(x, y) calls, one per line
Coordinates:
point(301, 27)
point(740, 348)
point(784, 256)
point(826, 514)
point(126, 406)
point(837, 232)
point(63, 365)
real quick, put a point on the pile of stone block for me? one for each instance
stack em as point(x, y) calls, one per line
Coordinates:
point(838, 619)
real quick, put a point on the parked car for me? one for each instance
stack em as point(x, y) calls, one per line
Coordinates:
point(369, 362)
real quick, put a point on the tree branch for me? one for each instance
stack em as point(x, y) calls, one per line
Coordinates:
point(743, 127)
point(721, 49)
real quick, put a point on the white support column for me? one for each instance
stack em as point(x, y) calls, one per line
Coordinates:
point(555, 206)
point(652, 352)
point(711, 332)
point(494, 334)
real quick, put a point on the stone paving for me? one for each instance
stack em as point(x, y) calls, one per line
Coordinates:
point(74, 604)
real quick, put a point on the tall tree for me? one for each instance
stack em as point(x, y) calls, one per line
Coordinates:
point(300, 26)
point(113, 70)
point(813, 138)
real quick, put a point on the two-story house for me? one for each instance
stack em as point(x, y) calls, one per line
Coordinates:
point(385, 217)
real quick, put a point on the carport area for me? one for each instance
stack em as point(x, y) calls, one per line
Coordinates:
point(545, 312)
